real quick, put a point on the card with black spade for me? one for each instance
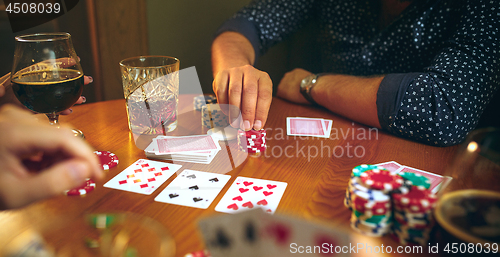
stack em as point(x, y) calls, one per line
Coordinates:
point(193, 188)
point(235, 235)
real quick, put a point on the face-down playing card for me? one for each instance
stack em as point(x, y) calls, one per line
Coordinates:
point(297, 126)
point(193, 188)
point(248, 193)
point(143, 176)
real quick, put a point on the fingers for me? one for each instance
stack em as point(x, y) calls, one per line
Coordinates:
point(87, 80)
point(26, 136)
point(49, 182)
point(234, 95)
point(263, 101)
point(52, 140)
point(249, 91)
point(249, 100)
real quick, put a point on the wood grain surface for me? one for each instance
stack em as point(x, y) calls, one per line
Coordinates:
point(316, 180)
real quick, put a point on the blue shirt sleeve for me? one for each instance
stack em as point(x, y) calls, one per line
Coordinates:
point(443, 103)
point(267, 22)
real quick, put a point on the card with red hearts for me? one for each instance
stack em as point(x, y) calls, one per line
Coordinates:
point(284, 235)
point(249, 193)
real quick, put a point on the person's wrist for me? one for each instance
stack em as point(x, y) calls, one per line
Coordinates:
point(318, 89)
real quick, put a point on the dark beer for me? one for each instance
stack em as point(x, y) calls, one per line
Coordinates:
point(48, 91)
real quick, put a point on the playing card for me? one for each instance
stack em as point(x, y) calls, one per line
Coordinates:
point(143, 176)
point(193, 188)
point(288, 236)
point(390, 166)
point(168, 145)
point(438, 182)
point(235, 235)
point(297, 126)
point(328, 126)
point(248, 193)
point(433, 178)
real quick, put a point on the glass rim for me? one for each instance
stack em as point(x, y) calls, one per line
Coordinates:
point(122, 62)
point(43, 37)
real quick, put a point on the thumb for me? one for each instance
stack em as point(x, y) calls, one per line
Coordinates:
point(58, 178)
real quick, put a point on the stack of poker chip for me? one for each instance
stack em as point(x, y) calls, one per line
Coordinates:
point(252, 141)
point(368, 197)
point(213, 117)
point(203, 100)
point(382, 201)
point(413, 220)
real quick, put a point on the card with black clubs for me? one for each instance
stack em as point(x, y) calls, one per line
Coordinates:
point(193, 188)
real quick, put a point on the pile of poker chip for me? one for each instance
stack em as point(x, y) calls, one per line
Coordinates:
point(213, 117)
point(384, 202)
point(252, 141)
point(203, 100)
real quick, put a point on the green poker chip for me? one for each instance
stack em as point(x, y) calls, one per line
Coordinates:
point(102, 221)
point(416, 179)
point(374, 219)
point(358, 170)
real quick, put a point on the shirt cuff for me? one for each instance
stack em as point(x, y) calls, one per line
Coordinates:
point(390, 95)
point(245, 27)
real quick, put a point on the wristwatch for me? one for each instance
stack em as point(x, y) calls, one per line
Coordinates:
point(306, 86)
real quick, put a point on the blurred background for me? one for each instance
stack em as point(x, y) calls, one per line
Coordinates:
point(106, 31)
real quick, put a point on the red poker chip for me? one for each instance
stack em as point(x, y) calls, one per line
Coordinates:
point(84, 189)
point(381, 180)
point(377, 208)
point(417, 200)
point(108, 159)
point(251, 132)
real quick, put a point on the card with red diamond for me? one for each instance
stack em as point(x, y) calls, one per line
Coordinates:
point(248, 193)
point(143, 176)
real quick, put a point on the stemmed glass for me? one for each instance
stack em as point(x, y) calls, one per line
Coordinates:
point(46, 75)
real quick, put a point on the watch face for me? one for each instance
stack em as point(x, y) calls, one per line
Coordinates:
point(306, 81)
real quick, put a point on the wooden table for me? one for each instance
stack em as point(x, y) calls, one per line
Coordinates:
point(316, 185)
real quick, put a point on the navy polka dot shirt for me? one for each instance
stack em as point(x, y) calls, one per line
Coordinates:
point(440, 57)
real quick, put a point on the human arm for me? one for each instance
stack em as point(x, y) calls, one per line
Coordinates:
point(238, 83)
point(38, 160)
point(350, 96)
point(439, 103)
point(239, 42)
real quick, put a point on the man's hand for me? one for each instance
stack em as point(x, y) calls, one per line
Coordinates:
point(38, 160)
point(250, 90)
point(289, 87)
point(238, 83)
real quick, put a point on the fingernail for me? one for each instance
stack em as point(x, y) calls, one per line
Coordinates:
point(84, 99)
point(257, 125)
point(246, 125)
point(77, 170)
point(91, 79)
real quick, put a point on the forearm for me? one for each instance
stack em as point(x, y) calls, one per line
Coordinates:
point(350, 96)
point(231, 49)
